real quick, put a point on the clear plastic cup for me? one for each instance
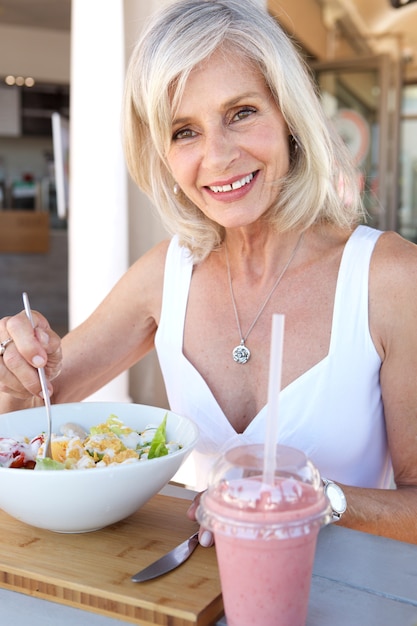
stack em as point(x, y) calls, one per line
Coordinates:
point(265, 535)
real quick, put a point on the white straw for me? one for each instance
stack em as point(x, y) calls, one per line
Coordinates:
point(274, 388)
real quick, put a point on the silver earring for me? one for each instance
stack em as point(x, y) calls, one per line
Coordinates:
point(176, 189)
point(295, 143)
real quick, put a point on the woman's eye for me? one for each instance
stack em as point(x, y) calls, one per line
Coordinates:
point(183, 133)
point(243, 113)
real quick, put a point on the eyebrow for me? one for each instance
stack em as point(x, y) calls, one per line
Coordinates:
point(179, 121)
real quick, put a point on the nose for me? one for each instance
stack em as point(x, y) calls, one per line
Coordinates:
point(220, 149)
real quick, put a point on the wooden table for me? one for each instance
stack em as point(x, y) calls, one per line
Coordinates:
point(358, 580)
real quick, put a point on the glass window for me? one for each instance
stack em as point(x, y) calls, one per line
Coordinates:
point(409, 100)
point(408, 164)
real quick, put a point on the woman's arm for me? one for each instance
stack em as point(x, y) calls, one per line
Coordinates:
point(115, 336)
point(393, 323)
point(386, 512)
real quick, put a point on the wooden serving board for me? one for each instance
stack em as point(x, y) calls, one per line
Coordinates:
point(92, 571)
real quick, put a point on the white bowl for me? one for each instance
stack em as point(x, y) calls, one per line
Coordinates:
point(82, 500)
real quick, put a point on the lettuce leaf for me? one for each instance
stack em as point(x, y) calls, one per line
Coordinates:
point(158, 447)
point(112, 425)
point(48, 464)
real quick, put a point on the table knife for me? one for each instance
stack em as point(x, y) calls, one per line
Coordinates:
point(169, 561)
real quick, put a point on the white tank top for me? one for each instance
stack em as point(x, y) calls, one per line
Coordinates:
point(333, 412)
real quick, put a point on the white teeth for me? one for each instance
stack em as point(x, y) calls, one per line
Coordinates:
point(236, 185)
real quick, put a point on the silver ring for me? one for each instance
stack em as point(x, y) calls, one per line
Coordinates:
point(4, 344)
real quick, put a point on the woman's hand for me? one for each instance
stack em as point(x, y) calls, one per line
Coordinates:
point(30, 349)
point(205, 537)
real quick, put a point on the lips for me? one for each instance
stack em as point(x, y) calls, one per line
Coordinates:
point(237, 184)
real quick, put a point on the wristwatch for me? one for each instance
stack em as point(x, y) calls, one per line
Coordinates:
point(336, 497)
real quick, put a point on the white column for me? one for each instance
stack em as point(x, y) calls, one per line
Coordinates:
point(145, 229)
point(98, 233)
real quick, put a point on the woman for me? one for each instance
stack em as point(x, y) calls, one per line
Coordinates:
point(224, 131)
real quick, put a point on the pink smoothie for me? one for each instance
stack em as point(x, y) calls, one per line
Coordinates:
point(265, 545)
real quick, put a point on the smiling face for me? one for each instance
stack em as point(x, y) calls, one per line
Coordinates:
point(229, 147)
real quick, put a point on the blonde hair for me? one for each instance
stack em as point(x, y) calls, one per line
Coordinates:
point(321, 182)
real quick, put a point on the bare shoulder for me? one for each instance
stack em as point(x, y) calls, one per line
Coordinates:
point(144, 279)
point(392, 289)
point(148, 270)
point(138, 293)
point(394, 262)
point(155, 258)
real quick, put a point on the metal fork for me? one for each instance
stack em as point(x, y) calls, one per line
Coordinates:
point(47, 450)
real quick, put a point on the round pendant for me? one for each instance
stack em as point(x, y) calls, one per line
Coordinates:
point(241, 354)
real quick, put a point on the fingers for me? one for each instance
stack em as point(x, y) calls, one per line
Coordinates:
point(193, 507)
point(30, 349)
point(17, 378)
point(30, 343)
point(205, 537)
point(51, 342)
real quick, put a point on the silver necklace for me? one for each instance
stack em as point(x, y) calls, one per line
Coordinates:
point(241, 354)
